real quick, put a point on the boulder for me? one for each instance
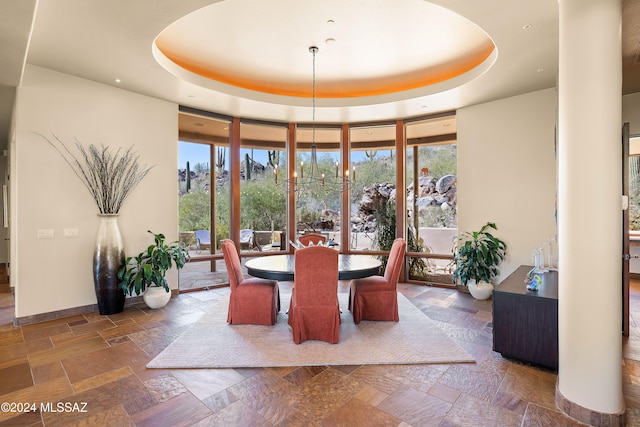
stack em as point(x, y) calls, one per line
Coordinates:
point(442, 193)
point(452, 195)
point(425, 201)
point(426, 185)
point(445, 183)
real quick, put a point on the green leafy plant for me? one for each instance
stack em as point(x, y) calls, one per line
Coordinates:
point(477, 255)
point(148, 269)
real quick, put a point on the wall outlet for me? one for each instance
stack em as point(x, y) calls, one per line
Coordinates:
point(45, 233)
point(70, 232)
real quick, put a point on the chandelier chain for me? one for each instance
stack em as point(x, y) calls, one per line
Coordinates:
point(314, 181)
point(314, 50)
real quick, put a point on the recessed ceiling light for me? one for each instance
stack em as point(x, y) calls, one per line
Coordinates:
point(527, 27)
point(330, 40)
point(331, 22)
point(118, 80)
point(539, 70)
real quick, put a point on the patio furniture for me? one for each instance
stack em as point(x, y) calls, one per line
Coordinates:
point(247, 240)
point(376, 297)
point(203, 240)
point(262, 239)
point(314, 313)
point(278, 240)
point(253, 300)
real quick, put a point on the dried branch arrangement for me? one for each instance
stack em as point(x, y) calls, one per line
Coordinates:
point(109, 176)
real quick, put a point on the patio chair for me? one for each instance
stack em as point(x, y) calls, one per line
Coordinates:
point(376, 297)
point(262, 239)
point(253, 300)
point(247, 239)
point(314, 313)
point(203, 240)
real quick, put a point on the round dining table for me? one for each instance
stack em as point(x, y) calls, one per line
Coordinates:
point(281, 267)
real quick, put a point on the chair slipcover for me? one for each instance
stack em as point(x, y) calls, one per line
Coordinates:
point(315, 238)
point(314, 313)
point(252, 300)
point(376, 297)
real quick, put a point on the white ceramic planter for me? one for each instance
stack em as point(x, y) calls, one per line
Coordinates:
point(156, 297)
point(481, 291)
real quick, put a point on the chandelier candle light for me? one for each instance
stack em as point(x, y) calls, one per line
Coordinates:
point(314, 179)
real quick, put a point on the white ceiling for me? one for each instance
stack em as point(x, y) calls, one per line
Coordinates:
point(389, 46)
point(115, 39)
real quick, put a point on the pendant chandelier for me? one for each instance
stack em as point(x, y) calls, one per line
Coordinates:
point(308, 179)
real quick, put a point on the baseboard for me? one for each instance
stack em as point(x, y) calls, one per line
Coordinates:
point(60, 314)
point(588, 416)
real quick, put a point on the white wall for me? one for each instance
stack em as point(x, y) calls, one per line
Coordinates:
point(55, 274)
point(507, 172)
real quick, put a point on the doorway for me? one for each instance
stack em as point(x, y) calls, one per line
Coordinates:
point(631, 224)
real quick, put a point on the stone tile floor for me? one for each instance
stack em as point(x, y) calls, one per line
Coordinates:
point(100, 361)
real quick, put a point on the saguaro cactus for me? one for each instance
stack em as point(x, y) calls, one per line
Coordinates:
point(188, 177)
point(274, 158)
point(371, 154)
point(220, 162)
point(247, 167)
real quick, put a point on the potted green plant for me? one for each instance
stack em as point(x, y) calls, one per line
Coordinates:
point(145, 273)
point(477, 255)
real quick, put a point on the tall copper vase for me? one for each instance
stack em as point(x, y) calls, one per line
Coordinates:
point(108, 258)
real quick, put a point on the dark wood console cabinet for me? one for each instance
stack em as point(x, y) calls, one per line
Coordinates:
point(525, 323)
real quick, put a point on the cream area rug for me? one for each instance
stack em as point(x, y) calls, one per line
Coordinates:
point(212, 343)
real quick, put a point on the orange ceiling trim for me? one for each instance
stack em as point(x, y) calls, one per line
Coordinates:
point(381, 86)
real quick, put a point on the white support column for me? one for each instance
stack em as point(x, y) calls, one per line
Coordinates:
point(589, 209)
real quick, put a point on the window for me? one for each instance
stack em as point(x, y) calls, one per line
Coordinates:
point(370, 214)
point(373, 196)
point(318, 204)
point(431, 197)
point(203, 183)
point(263, 201)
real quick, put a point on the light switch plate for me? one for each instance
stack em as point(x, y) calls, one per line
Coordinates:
point(70, 232)
point(45, 233)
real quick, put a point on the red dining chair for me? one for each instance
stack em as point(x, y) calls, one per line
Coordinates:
point(314, 313)
point(315, 238)
point(252, 300)
point(376, 297)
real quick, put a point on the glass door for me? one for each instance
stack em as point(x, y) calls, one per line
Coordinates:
point(203, 203)
point(431, 198)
